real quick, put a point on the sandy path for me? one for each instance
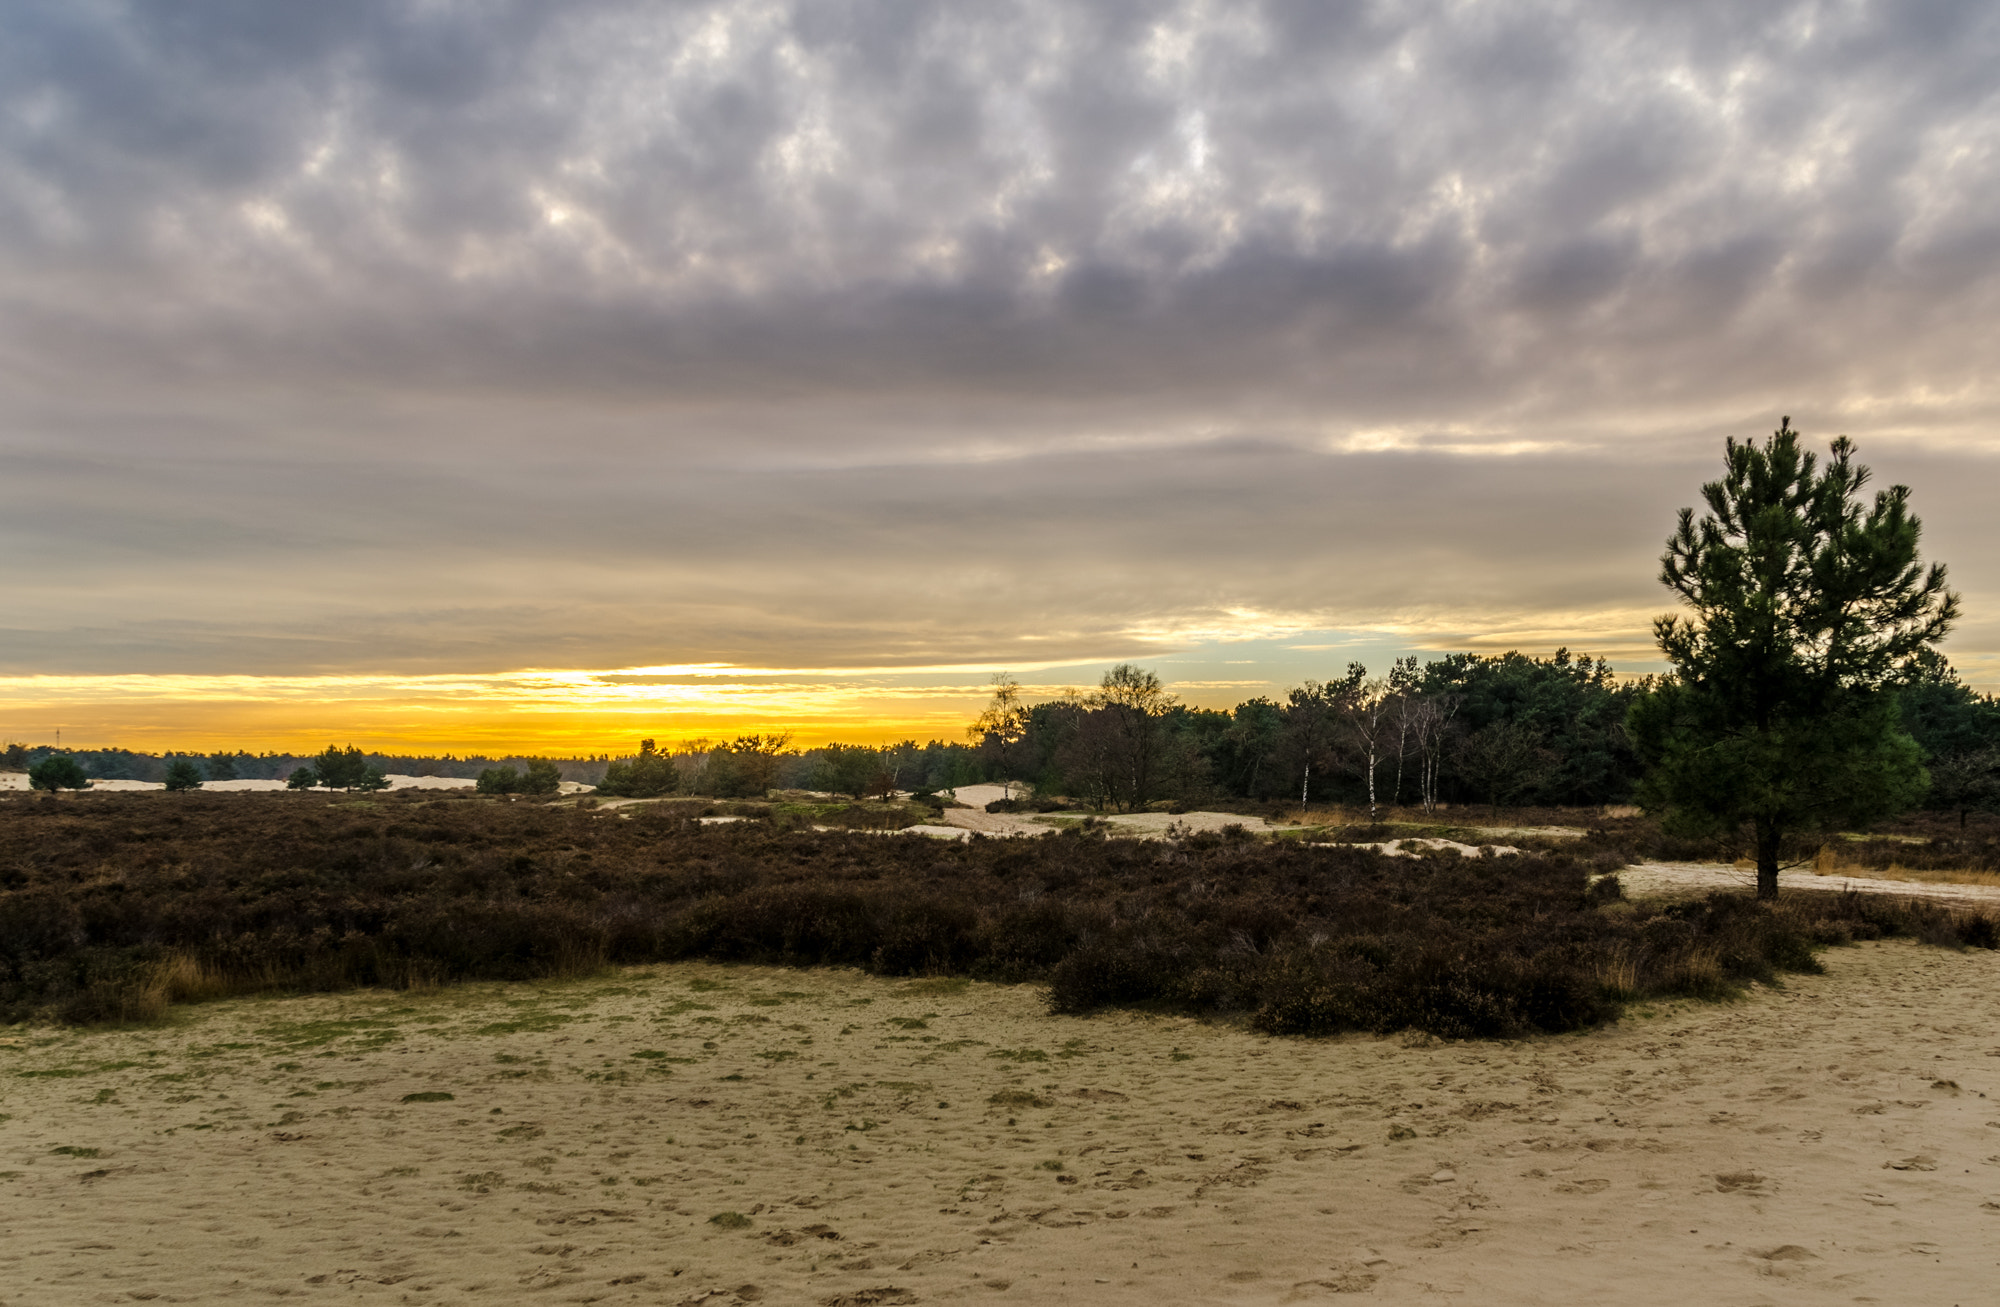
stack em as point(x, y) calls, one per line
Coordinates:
point(978, 796)
point(1666, 879)
point(993, 823)
point(1803, 1146)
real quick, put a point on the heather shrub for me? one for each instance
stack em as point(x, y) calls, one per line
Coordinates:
point(113, 906)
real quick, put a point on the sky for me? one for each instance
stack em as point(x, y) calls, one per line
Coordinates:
point(437, 374)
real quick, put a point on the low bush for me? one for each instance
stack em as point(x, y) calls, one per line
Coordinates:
point(541, 777)
point(113, 906)
point(1032, 803)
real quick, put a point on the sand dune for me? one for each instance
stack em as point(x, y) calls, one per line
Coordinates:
point(978, 796)
point(888, 1141)
point(18, 780)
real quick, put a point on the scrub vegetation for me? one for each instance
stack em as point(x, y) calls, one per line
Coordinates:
point(113, 907)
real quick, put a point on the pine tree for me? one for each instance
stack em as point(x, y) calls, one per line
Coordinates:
point(1807, 607)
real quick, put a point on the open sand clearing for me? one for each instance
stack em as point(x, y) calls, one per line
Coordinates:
point(1687, 879)
point(889, 1141)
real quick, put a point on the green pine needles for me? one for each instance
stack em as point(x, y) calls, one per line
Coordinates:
point(1807, 607)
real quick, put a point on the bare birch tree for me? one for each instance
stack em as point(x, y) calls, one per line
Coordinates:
point(1403, 685)
point(1368, 711)
point(1311, 732)
point(1430, 721)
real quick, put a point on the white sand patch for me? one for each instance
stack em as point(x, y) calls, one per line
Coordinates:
point(1796, 1146)
point(1130, 825)
point(430, 782)
point(981, 795)
point(981, 822)
point(937, 832)
point(1155, 825)
point(1666, 879)
point(1416, 848)
point(18, 780)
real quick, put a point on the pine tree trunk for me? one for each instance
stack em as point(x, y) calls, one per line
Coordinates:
point(1767, 860)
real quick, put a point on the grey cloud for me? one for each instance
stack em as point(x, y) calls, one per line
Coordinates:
point(468, 332)
point(1066, 556)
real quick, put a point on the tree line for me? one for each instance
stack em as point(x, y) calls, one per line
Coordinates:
point(242, 764)
point(1806, 690)
point(1464, 728)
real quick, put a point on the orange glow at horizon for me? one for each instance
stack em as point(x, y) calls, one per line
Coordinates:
point(559, 712)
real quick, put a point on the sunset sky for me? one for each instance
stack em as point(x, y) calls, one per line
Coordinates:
point(488, 376)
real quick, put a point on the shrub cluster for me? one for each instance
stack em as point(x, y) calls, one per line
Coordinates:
point(109, 907)
point(541, 777)
point(339, 769)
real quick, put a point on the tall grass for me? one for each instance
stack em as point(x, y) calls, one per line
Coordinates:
point(114, 907)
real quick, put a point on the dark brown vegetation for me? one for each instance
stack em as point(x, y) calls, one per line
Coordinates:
point(113, 906)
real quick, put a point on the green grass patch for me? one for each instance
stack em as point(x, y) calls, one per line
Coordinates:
point(429, 1096)
point(77, 1072)
point(533, 1024)
point(1019, 1098)
point(938, 986)
point(296, 1035)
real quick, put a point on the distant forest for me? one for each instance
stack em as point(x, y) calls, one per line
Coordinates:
point(1464, 728)
point(126, 765)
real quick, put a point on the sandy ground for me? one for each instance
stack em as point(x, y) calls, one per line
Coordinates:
point(1657, 879)
point(979, 796)
point(18, 780)
point(917, 1142)
point(1417, 848)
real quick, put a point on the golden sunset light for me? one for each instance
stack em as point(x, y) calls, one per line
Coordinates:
point(881, 653)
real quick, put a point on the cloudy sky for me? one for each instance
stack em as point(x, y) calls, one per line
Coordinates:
point(513, 373)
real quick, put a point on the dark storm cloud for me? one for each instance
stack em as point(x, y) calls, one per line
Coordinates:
point(411, 333)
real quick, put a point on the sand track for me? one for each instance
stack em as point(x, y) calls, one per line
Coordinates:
point(1671, 879)
point(896, 1141)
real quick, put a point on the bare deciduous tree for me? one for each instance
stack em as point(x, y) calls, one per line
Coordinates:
point(1001, 729)
point(1429, 720)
